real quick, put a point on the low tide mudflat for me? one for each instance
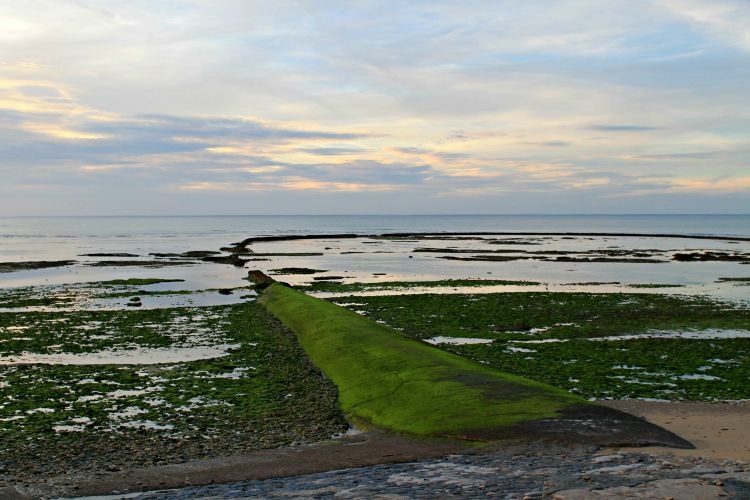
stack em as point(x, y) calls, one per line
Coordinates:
point(617, 346)
point(103, 390)
point(110, 366)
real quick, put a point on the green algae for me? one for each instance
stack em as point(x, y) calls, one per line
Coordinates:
point(153, 293)
point(670, 369)
point(509, 316)
point(662, 368)
point(391, 381)
point(11, 298)
point(90, 331)
point(263, 393)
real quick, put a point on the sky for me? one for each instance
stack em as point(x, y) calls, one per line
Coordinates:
point(292, 107)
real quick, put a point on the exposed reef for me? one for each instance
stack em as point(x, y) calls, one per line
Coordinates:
point(109, 254)
point(140, 263)
point(711, 256)
point(296, 270)
point(10, 267)
point(232, 259)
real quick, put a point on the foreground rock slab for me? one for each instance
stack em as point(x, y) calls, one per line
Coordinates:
point(686, 489)
point(516, 472)
point(354, 450)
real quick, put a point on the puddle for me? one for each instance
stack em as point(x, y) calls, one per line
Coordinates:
point(518, 349)
point(146, 424)
point(235, 374)
point(40, 410)
point(697, 376)
point(457, 341)
point(69, 428)
point(124, 357)
point(196, 299)
point(126, 393)
point(130, 411)
point(86, 399)
point(721, 291)
point(443, 290)
point(711, 334)
point(542, 341)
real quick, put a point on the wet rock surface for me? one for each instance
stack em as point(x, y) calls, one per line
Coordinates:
point(109, 254)
point(530, 472)
point(232, 259)
point(9, 267)
point(711, 256)
point(149, 264)
point(297, 270)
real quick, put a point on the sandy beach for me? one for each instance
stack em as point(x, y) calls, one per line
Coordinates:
point(719, 430)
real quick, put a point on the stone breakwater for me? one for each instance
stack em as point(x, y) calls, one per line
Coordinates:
point(527, 473)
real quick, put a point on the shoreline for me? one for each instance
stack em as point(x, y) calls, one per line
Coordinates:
point(702, 423)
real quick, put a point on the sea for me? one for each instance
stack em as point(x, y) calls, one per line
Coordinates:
point(50, 238)
point(71, 238)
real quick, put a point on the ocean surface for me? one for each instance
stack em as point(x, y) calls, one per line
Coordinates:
point(39, 238)
point(70, 238)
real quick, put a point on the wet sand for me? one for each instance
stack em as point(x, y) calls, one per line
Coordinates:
point(718, 430)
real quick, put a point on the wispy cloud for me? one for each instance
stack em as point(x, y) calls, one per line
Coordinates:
point(287, 184)
point(529, 105)
point(332, 151)
point(705, 186)
point(724, 21)
point(622, 128)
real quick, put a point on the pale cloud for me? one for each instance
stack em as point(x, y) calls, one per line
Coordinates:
point(543, 103)
point(623, 128)
point(291, 183)
point(708, 186)
point(726, 20)
point(590, 183)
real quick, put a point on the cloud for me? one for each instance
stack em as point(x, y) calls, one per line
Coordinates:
point(217, 129)
point(712, 186)
point(50, 124)
point(722, 20)
point(482, 102)
point(696, 156)
point(707, 186)
point(549, 144)
point(622, 128)
point(333, 151)
point(287, 184)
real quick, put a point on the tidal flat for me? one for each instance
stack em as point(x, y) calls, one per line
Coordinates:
point(259, 391)
point(118, 363)
point(601, 346)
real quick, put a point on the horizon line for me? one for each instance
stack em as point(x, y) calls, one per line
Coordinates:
point(531, 214)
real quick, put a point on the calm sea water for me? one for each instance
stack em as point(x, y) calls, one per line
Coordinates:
point(158, 226)
point(30, 238)
point(56, 238)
